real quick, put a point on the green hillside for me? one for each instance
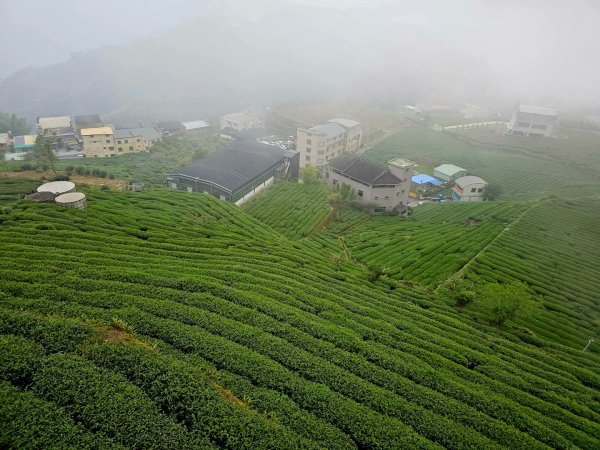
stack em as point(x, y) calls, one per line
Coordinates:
point(174, 320)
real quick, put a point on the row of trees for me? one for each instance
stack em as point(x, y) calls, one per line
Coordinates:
point(16, 125)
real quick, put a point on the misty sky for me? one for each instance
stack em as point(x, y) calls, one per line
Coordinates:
point(553, 42)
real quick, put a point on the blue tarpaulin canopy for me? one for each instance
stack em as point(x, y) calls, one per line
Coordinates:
point(424, 179)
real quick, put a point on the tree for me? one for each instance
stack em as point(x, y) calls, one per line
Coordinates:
point(309, 175)
point(503, 301)
point(491, 192)
point(346, 193)
point(16, 125)
point(42, 150)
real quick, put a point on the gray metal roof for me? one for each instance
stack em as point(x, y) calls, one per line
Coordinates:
point(364, 171)
point(541, 110)
point(468, 180)
point(148, 133)
point(346, 122)
point(235, 165)
point(330, 129)
point(449, 169)
point(195, 124)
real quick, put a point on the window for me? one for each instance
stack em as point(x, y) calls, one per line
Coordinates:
point(307, 149)
point(108, 141)
point(126, 141)
point(120, 149)
point(480, 190)
point(118, 142)
point(111, 148)
point(334, 181)
point(308, 157)
point(138, 140)
point(473, 189)
point(326, 174)
point(131, 147)
point(376, 197)
point(308, 141)
point(387, 197)
point(360, 193)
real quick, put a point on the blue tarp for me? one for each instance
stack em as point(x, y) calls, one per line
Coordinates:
point(424, 179)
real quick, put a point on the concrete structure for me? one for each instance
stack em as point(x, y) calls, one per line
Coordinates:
point(235, 172)
point(241, 121)
point(57, 187)
point(322, 143)
point(53, 123)
point(21, 145)
point(449, 172)
point(468, 189)
point(60, 127)
point(195, 127)
point(529, 120)
point(71, 200)
point(98, 142)
point(384, 187)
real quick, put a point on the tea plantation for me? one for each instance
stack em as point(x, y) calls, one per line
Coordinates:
point(175, 320)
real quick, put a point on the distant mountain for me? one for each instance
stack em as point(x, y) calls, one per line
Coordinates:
point(208, 66)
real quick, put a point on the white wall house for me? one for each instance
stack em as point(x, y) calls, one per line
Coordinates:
point(533, 121)
point(468, 189)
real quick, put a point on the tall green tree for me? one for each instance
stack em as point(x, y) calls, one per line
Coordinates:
point(16, 125)
point(309, 175)
point(42, 150)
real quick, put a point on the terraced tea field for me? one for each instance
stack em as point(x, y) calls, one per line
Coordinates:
point(521, 176)
point(174, 320)
point(438, 240)
point(292, 209)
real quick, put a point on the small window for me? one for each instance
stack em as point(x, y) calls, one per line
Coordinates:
point(308, 149)
point(334, 181)
point(387, 197)
point(308, 142)
point(111, 148)
point(473, 189)
point(118, 142)
point(108, 141)
point(138, 140)
point(131, 147)
point(480, 190)
point(376, 197)
point(308, 157)
point(360, 193)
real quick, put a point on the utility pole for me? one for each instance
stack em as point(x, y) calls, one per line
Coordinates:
point(588, 344)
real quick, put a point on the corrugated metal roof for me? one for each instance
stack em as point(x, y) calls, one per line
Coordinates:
point(331, 129)
point(364, 171)
point(195, 124)
point(542, 110)
point(235, 165)
point(424, 179)
point(468, 180)
point(346, 122)
point(449, 169)
point(46, 123)
point(97, 130)
point(148, 133)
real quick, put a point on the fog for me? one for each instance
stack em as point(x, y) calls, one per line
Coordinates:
point(127, 58)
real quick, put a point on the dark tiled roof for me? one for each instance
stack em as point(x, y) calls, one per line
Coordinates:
point(235, 165)
point(170, 126)
point(364, 171)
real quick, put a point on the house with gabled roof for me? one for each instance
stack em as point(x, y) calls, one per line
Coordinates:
point(385, 187)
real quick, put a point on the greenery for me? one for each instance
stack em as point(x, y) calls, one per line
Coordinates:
point(16, 125)
point(42, 150)
point(169, 319)
point(309, 175)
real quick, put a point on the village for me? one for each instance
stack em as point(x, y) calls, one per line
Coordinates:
point(251, 157)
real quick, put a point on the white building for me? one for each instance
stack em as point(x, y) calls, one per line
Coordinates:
point(241, 121)
point(533, 121)
point(468, 189)
point(322, 143)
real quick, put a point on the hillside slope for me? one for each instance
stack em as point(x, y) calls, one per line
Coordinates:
point(182, 312)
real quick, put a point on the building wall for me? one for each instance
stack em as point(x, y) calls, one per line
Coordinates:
point(466, 194)
point(99, 146)
point(405, 173)
point(130, 145)
point(353, 139)
point(531, 124)
point(316, 149)
point(387, 197)
point(241, 123)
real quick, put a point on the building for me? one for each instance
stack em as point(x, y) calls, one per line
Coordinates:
point(235, 172)
point(468, 189)
point(195, 127)
point(98, 142)
point(386, 187)
point(135, 140)
point(5, 141)
point(87, 121)
point(241, 121)
point(449, 172)
point(529, 120)
point(250, 134)
point(21, 146)
point(320, 144)
point(424, 182)
point(171, 128)
point(60, 127)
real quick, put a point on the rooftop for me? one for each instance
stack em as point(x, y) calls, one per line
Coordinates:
point(541, 110)
point(243, 116)
point(235, 165)
point(195, 124)
point(468, 180)
point(363, 171)
point(330, 129)
point(54, 122)
point(148, 133)
point(250, 134)
point(402, 162)
point(170, 126)
point(449, 169)
point(346, 122)
point(424, 179)
point(97, 130)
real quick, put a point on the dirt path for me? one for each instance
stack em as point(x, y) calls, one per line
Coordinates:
point(115, 184)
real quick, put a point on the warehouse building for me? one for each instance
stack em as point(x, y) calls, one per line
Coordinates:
point(236, 172)
point(386, 187)
point(469, 189)
point(530, 120)
point(449, 172)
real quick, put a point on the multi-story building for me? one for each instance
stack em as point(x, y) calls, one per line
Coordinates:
point(322, 143)
point(385, 187)
point(134, 140)
point(533, 121)
point(239, 121)
point(98, 142)
point(60, 127)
